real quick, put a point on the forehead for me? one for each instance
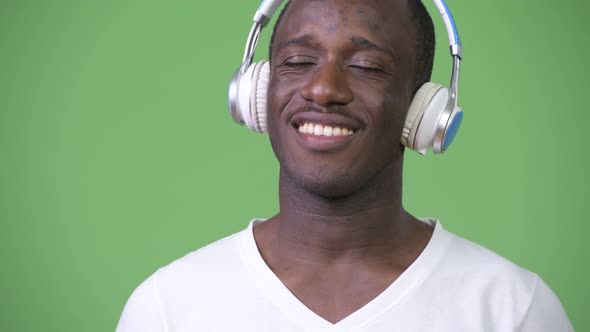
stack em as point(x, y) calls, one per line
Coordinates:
point(385, 21)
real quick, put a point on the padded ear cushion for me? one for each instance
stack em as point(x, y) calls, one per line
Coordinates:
point(259, 93)
point(252, 87)
point(419, 129)
point(244, 95)
point(416, 111)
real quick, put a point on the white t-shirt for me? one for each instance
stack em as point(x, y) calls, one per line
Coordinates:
point(454, 285)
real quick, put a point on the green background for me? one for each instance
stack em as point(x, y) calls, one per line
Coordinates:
point(118, 155)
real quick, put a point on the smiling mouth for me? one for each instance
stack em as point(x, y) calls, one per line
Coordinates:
point(317, 129)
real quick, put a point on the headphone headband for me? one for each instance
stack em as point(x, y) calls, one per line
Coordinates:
point(452, 32)
point(267, 9)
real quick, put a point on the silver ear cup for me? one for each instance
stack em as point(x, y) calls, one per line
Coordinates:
point(233, 96)
point(239, 96)
point(448, 127)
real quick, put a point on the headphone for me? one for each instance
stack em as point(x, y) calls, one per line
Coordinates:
point(433, 118)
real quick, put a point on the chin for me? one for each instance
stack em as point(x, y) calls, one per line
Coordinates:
point(326, 183)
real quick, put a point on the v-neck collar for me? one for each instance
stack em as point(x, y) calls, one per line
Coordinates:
point(274, 288)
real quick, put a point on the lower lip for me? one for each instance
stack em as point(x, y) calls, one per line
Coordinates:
point(322, 143)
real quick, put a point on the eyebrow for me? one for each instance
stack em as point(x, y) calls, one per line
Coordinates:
point(295, 41)
point(365, 43)
point(355, 39)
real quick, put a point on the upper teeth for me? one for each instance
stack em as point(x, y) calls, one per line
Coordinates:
point(323, 130)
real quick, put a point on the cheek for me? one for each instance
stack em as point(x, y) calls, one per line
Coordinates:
point(398, 112)
point(280, 94)
point(282, 99)
point(387, 114)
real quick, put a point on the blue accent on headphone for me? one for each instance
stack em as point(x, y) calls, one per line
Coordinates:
point(453, 25)
point(452, 130)
point(261, 4)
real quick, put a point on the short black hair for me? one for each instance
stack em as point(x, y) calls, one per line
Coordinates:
point(425, 40)
point(274, 29)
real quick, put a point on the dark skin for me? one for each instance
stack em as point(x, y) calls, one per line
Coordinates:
point(342, 235)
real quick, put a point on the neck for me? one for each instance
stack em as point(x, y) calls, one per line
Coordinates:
point(366, 223)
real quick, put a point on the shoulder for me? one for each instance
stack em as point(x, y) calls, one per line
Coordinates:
point(175, 288)
point(212, 262)
point(503, 290)
point(143, 310)
point(466, 263)
point(479, 261)
point(498, 279)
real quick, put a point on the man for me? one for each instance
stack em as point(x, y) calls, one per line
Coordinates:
point(342, 254)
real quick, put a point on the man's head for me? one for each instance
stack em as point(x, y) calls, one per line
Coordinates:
point(340, 66)
point(425, 40)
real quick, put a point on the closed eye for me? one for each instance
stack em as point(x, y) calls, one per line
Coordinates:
point(298, 64)
point(368, 69)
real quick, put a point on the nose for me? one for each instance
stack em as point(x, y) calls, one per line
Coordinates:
point(328, 86)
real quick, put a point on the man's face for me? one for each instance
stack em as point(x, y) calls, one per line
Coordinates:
point(341, 81)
